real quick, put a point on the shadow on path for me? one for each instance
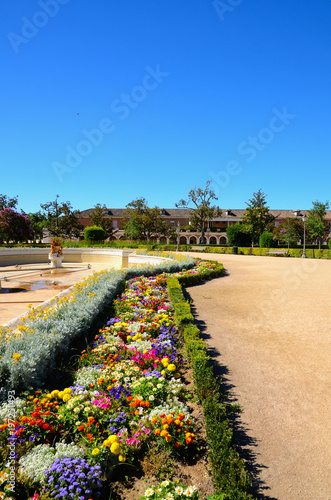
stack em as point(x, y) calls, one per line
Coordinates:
point(243, 443)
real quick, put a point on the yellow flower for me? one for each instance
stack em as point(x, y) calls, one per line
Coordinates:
point(17, 356)
point(95, 452)
point(67, 390)
point(121, 458)
point(115, 448)
point(66, 397)
point(171, 367)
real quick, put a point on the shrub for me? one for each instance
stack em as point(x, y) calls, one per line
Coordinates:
point(236, 236)
point(267, 240)
point(329, 243)
point(94, 233)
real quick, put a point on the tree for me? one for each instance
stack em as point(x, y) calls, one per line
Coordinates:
point(61, 219)
point(97, 218)
point(257, 219)
point(38, 224)
point(15, 226)
point(290, 231)
point(316, 224)
point(6, 202)
point(203, 211)
point(144, 223)
point(237, 237)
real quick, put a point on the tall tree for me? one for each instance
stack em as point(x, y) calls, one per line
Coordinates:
point(316, 224)
point(38, 224)
point(15, 226)
point(258, 219)
point(290, 231)
point(6, 202)
point(202, 210)
point(98, 218)
point(143, 222)
point(61, 219)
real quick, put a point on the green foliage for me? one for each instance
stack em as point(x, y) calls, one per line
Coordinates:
point(38, 223)
point(237, 237)
point(61, 219)
point(6, 202)
point(290, 231)
point(203, 211)
point(316, 221)
point(230, 476)
point(183, 314)
point(329, 243)
point(257, 218)
point(98, 218)
point(267, 240)
point(94, 233)
point(144, 223)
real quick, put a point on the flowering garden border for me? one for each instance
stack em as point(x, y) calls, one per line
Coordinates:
point(230, 478)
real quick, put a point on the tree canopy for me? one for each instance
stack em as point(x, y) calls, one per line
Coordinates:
point(316, 224)
point(144, 223)
point(290, 231)
point(201, 209)
point(258, 219)
point(61, 219)
point(15, 226)
point(6, 202)
point(97, 218)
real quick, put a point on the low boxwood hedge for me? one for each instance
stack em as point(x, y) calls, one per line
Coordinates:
point(230, 476)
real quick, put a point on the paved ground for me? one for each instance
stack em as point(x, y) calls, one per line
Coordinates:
point(268, 325)
point(35, 283)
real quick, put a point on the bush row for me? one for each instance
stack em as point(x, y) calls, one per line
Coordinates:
point(312, 253)
point(231, 479)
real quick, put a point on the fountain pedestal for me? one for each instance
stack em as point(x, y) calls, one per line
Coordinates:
point(56, 261)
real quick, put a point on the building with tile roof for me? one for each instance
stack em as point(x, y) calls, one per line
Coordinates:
point(215, 228)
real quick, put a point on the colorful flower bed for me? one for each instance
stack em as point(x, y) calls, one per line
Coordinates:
point(126, 394)
point(29, 354)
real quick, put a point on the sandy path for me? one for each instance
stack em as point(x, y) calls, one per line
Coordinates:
point(268, 322)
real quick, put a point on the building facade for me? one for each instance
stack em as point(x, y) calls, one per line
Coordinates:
point(178, 218)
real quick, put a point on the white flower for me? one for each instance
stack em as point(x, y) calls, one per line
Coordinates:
point(190, 491)
point(149, 492)
point(179, 490)
point(165, 484)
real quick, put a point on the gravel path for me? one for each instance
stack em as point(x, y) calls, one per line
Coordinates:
point(268, 325)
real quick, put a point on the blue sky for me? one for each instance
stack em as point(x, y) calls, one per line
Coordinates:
point(107, 101)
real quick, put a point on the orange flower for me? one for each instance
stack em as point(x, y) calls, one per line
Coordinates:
point(177, 445)
point(157, 431)
point(81, 427)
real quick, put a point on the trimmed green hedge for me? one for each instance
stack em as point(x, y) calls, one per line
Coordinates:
point(230, 476)
point(311, 253)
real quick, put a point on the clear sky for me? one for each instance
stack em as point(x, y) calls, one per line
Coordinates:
point(107, 101)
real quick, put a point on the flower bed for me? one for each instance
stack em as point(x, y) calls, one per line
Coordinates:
point(127, 394)
point(29, 354)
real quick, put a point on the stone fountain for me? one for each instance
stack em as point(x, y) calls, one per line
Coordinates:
point(56, 254)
